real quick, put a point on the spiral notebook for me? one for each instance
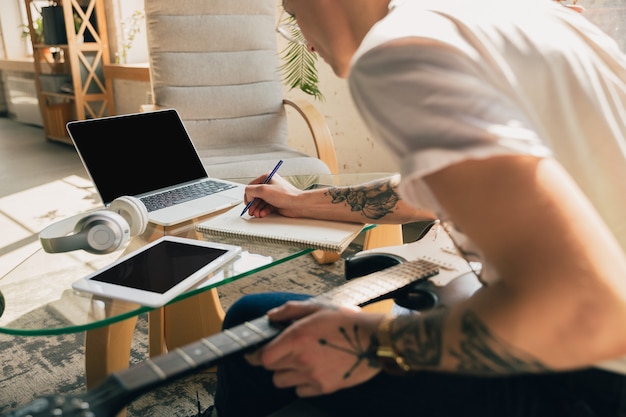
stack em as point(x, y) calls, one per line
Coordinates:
point(330, 236)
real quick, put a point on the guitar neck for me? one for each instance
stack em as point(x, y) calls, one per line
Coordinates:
point(143, 377)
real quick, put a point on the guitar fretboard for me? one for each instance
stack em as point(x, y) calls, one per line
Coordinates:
point(206, 352)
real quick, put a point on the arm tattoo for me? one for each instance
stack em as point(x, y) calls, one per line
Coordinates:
point(419, 341)
point(374, 200)
point(355, 348)
point(481, 353)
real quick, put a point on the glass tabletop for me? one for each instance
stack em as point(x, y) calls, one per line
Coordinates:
point(39, 299)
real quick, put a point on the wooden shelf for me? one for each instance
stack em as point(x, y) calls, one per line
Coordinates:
point(18, 65)
point(80, 56)
point(64, 96)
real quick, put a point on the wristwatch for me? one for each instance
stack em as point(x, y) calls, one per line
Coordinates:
point(390, 361)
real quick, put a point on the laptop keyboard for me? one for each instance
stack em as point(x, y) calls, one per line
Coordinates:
point(182, 194)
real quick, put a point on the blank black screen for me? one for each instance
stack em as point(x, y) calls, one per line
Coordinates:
point(160, 267)
point(136, 153)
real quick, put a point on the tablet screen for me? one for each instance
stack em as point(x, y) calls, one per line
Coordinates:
point(160, 267)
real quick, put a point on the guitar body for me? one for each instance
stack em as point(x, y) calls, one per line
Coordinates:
point(431, 265)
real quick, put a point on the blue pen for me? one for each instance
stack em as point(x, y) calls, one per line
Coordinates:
point(269, 177)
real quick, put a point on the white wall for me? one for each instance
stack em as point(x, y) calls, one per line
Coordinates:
point(11, 29)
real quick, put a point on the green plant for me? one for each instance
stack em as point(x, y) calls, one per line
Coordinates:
point(298, 67)
point(130, 29)
point(37, 28)
point(77, 22)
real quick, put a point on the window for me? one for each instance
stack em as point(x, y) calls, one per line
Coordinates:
point(130, 44)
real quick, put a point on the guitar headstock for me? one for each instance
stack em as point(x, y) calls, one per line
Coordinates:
point(56, 405)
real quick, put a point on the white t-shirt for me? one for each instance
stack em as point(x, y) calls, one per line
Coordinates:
point(499, 77)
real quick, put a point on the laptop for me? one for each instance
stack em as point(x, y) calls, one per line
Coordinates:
point(150, 156)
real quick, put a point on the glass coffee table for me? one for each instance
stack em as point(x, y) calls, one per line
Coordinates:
point(40, 301)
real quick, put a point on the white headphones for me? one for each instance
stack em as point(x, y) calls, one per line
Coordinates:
point(98, 232)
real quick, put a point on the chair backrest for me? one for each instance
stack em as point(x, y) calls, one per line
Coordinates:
point(216, 62)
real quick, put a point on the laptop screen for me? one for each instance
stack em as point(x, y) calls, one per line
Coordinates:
point(136, 153)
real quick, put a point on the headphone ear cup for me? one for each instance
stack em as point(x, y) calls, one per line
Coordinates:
point(133, 210)
point(103, 231)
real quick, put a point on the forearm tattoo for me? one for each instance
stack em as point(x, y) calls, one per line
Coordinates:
point(374, 200)
point(481, 353)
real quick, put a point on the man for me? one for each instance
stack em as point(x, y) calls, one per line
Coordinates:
point(508, 120)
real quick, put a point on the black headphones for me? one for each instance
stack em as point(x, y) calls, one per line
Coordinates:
point(98, 232)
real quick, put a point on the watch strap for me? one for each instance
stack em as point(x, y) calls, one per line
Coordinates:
point(390, 361)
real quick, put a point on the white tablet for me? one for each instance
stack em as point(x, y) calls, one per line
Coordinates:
point(156, 273)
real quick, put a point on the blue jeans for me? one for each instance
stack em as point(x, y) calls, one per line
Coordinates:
point(247, 391)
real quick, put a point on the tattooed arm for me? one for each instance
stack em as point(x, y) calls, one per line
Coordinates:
point(554, 298)
point(372, 202)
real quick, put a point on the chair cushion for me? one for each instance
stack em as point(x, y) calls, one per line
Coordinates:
point(244, 167)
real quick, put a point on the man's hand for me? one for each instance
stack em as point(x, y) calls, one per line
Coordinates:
point(327, 348)
point(278, 196)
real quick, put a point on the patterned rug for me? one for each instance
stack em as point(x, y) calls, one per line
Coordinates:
point(34, 366)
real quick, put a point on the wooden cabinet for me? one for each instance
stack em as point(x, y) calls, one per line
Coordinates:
point(69, 55)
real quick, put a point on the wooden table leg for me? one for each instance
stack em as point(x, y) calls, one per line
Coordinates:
point(156, 332)
point(107, 349)
point(383, 235)
point(192, 319)
point(379, 237)
point(323, 257)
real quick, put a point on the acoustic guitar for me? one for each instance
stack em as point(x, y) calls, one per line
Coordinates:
point(121, 388)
